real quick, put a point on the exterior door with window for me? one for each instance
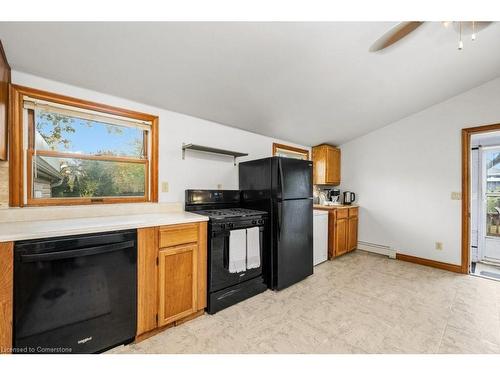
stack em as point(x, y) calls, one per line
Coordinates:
point(490, 178)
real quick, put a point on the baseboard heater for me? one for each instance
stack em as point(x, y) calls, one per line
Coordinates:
point(377, 248)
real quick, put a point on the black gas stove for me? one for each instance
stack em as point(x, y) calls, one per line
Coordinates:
point(224, 286)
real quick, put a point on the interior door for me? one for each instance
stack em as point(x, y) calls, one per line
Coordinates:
point(294, 242)
point(177, 283)
point(294, 178)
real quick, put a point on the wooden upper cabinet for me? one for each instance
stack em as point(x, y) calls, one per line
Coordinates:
point(326, 161)
point(4, 102)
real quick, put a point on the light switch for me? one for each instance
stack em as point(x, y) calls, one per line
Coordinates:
point(164, 187)
point(456, 195)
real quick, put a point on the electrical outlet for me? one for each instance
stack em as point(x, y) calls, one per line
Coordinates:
point(219, 186)
point(164, 187)
point(456, 195)
point(439, 246)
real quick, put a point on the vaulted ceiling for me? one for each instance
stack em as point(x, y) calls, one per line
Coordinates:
point(303, 82)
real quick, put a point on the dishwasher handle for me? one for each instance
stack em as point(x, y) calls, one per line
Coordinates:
point(76, 253)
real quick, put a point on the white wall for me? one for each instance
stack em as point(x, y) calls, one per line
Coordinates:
point(201, 171)
point(405, 172)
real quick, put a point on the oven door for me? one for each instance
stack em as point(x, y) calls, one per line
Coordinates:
point(219, 276)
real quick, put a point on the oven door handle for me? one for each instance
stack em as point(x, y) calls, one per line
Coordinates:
point(26, 258)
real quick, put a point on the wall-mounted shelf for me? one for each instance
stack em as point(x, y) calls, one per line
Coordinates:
point(211, 150)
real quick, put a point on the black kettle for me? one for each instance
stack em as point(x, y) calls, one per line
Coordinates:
point(349, 197)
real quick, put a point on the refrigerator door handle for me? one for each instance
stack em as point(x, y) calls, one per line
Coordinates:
point(279, 220)
point(280, 175)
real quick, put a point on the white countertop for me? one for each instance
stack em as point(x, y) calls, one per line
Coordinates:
point(25, 230)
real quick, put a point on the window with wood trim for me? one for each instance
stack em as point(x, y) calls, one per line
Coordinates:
point(290, 151)
point(78, 152)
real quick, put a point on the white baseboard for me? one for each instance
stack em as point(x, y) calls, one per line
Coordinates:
point(377, 249)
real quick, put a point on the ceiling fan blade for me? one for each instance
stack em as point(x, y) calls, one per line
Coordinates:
point(395, 34)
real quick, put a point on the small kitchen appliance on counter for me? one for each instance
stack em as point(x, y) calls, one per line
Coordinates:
point(334, 195)
point(349, 197)
point(235, 248)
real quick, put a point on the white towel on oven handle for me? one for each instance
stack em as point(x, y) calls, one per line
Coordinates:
point(253, 247)
point(237, 250)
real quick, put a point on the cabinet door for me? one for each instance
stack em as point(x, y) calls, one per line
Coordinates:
point(177, 283)
point(4, 101)
point(352, 241)
point(332, 165)
point(319, 165)
point(341, 231)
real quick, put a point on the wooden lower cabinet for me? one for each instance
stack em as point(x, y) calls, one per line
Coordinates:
point(352, 230)
point(171, 281)
point(172, 275)
point(6, 295)
point(342, 231)
point(340, 234)
point(147, 279)
point(177, 283)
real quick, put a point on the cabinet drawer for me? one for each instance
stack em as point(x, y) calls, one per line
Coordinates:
point(342, 213)
point(174, 235)
point(353, 211)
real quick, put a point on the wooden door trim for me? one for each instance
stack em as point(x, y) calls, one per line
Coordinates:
point(466, 136)
point(16, 154)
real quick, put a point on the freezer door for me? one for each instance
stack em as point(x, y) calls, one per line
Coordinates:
point(294, 242)
point(294, 179)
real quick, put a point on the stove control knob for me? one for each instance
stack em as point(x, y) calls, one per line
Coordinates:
point(223, 226)
point(254, 222)
point(231, 225)
point(261, 221)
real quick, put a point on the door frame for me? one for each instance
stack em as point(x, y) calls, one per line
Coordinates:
point(466, 136)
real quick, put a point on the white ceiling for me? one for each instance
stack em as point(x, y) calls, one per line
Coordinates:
point(303, 82)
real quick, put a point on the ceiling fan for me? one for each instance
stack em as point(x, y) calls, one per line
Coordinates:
point(402, 29)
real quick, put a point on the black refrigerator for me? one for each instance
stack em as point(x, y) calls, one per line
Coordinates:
point(283, 188)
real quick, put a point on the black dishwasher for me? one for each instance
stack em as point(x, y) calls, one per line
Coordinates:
point(75, 294)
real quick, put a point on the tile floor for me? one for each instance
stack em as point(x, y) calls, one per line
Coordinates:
point(359, 303)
